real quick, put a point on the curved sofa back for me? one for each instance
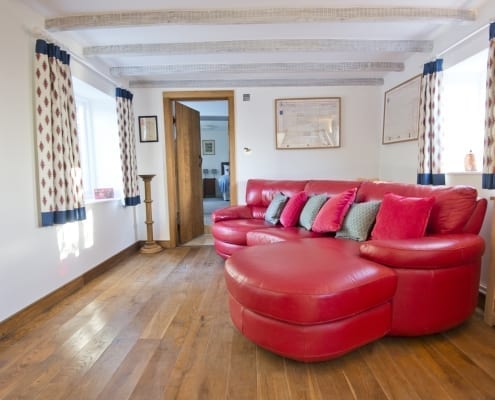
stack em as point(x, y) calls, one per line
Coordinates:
point(457, 208)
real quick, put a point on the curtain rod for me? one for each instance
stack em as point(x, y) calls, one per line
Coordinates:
point(461, 41)
point(43, 34)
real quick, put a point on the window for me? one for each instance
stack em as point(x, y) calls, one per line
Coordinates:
point(99, 142)
point(464, 105)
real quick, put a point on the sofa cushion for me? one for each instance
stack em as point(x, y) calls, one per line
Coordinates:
point(292, 210)
point(310, 210)
point(333, 212)
point(275, 208)
point(307, 282)
point(260, 192)
point(281, 234)
point(234, 231)
point(359, 220)
point(451, 212)
point(402, 217)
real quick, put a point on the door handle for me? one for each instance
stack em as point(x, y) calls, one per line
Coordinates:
point(200, 161)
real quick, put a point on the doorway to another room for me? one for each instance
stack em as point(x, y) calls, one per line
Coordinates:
point(208, 165)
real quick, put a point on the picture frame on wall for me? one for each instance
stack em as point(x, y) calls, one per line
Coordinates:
point(148, 128)
point(208, 147)
point(401, 108)
point(307, 123)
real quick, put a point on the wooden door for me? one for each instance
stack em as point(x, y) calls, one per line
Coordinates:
point(189, 175)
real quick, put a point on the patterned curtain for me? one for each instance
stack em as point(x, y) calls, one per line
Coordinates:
point(489, 149)
point(125, 115)
point(430, 129)
point(59, 167)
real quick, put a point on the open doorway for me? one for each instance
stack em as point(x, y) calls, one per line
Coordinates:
point(215, 171)
point(207, 148)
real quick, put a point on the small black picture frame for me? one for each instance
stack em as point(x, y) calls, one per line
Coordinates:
point(208, 147)
point(148, 128)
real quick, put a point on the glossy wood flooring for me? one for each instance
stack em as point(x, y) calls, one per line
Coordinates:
point(157, 327)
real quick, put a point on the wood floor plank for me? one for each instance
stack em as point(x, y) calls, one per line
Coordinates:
point(478, 341)
point(393, 381)
point(360, 378)
point(445, 352)
point(158, 327)
point(128, 374)
point(271, 379)
point(302, 385)
point(242, 383)
point(330, 380)
point(420, 376)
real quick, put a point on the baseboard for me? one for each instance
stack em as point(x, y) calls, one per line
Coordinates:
point(481, 300)
point(164, 243)
point(45, 303)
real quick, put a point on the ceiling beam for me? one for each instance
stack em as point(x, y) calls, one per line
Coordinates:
point(255, 16)
point(232, 83)
point(262, 46)
point(257, 68)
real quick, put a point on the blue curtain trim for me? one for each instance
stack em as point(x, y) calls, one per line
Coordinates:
point(492, 30)
point(433, 66)
point(431, 179)
point(488, 181)
point(52, 50)
point(119, 92)
point(63, 217)
point(132, 201)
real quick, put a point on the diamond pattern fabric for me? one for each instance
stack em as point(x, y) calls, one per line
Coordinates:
point(430, 128)
point(61, 192)
point(127, 141)
point(489, 147)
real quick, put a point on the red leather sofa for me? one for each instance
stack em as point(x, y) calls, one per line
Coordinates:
point(310, 296)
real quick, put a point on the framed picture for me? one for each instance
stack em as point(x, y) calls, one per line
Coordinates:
point(312, 123)
point(148, 128)
point(208, 147)
point(401, 112)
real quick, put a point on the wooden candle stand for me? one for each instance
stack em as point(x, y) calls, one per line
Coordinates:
point(150, 246)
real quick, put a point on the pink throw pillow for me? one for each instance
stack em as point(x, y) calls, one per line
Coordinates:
point(332, 214)
point(292, 210)
point(402, 217)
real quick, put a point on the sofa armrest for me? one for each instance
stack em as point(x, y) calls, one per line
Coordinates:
point(429, 252)
point(233, 212)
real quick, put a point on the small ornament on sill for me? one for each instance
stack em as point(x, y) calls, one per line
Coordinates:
point(469, 162)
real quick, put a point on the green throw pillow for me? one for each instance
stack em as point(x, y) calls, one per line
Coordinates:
point(275, 208)
point(359, 220)
point(310, 210)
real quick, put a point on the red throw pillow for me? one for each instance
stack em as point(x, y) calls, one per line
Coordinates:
point(332, 214)
point(292, 210)
point(402, 217)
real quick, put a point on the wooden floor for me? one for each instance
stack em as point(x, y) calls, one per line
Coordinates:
point(157, 327)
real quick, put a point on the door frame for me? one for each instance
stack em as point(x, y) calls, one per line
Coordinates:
point(170, 151)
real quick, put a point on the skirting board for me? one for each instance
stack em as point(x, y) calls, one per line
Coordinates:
point(29, 313)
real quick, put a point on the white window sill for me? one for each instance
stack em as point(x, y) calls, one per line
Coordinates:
point(98, 201)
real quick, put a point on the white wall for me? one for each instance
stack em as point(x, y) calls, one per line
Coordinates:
point(36, 261)
point(255, 128)
point(398, 162)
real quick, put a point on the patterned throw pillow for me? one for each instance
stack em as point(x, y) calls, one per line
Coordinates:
point(311, 209)
point(292, 210)
point(275, 208)
point(402, 217)
point(359, 220)
point(331, 215)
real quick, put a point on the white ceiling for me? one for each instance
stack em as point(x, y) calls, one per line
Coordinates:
point(224, 43)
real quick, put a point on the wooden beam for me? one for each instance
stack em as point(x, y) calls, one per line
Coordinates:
point(262, 46)
point(257, 68)
point(230, 83)
point(279, 15)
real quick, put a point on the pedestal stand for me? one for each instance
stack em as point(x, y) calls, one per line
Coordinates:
point(150, 246)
